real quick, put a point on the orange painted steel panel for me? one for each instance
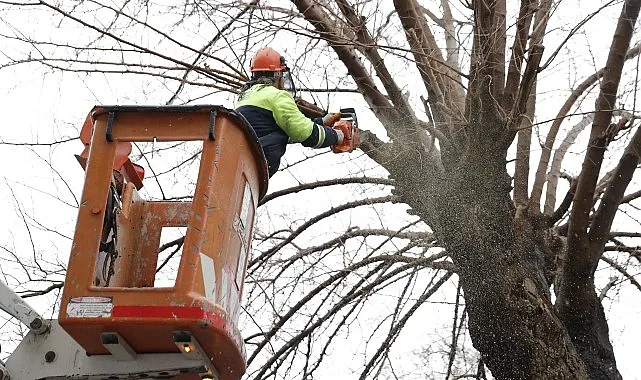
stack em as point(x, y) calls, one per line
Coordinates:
point(205, 298)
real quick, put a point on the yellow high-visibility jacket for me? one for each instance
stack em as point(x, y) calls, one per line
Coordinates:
point(276, 119)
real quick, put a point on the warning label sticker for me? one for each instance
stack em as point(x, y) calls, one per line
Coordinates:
point(89, 307)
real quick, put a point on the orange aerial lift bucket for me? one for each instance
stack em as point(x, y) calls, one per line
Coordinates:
point(128, 315)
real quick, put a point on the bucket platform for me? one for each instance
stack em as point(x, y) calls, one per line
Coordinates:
point(125, 314)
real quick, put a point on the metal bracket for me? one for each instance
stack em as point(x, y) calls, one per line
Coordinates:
point(119, 348)
point(212, 125)
point(110, 126)
point(192, 350)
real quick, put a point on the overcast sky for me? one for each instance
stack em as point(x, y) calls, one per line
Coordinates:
point(41, 106)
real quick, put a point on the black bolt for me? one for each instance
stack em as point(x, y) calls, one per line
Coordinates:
point(36, 324)
point(50, 356)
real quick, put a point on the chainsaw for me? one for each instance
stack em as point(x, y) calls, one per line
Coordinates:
point(347, 124)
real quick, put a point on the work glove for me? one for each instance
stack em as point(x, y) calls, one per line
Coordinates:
point(341, 136)
point(331, 118)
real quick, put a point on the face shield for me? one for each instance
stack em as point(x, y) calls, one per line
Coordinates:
point(288, 80)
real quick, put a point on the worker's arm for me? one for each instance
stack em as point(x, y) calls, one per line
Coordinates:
point(298, 127)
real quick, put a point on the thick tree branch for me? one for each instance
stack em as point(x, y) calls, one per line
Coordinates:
point(451, 42)
point(445, 94)
point(564, 206)
point(523, 148)
point(608, 207)
point(375, 148)
point(369, 48)
point(599, 139)
point(523, 23)
point(489, 50)
point(577, 302)
point(381, 106)
point(539, 179)
point(555, 168)
point(532, 67)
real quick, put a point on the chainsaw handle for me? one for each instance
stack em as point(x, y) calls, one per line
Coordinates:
point(331, 118)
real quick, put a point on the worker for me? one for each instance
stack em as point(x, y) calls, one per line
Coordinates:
point(269, 107)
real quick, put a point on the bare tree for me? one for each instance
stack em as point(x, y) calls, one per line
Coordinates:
point(525, 265)
point(498, 244)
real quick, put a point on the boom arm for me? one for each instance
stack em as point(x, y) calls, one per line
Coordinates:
point(14, 305)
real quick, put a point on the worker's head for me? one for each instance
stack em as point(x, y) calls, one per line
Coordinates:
point(269, 64)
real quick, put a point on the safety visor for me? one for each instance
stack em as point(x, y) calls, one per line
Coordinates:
point(288, 80)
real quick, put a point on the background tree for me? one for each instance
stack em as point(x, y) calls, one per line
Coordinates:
point(455, 89)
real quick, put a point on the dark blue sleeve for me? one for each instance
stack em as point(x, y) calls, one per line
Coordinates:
point(321, 137)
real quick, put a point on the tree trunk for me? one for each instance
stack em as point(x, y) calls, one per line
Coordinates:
point(512, 322)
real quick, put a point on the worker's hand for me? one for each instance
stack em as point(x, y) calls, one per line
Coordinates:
point(341, 136)
point(331, 118)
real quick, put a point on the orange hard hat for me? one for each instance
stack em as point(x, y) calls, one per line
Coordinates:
point(268, 59)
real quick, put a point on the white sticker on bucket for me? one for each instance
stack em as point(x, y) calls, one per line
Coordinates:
point(209, 276)
point(90, 307)
point(244, 209)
